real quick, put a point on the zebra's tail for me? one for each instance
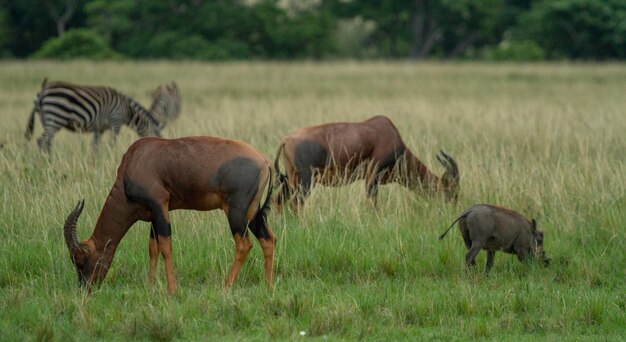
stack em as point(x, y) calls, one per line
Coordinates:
point(36, 107)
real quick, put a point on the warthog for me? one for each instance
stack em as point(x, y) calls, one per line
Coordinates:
point(494, 229)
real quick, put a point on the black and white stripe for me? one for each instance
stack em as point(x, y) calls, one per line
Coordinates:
point(87, 109)
point(166, 103)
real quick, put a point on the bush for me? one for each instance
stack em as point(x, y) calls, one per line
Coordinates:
point(176, 45)
point(519, 51)
point(76, 43)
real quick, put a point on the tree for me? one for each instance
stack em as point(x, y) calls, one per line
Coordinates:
point(422, 28)
point(68, 10)
point(579, 29)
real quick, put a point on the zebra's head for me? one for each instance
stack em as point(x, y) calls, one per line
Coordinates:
point(143, 122)
point(166, 103)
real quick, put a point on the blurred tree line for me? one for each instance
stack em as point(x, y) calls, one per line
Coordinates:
point(316, 29)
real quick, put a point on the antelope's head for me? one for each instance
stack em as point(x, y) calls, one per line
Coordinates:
point(84, 256)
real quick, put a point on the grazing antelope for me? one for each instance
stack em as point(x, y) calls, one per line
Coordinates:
point(166, 102)
point(84, 108)
point(494, 228)
point(158, 175)
point(338, 153)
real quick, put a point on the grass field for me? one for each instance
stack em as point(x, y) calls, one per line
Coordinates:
point(546, 140)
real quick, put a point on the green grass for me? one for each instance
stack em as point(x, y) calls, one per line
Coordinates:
point(547, 140)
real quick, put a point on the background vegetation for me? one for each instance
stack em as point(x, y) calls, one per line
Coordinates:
point(546, 140)
point(315, 29)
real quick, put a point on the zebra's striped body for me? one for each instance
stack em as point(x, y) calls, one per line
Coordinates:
point(166, 103)
point(87, 109)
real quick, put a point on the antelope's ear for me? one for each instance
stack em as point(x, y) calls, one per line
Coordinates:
point(533, 224)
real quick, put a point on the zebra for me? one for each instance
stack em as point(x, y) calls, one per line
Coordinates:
point(166, 103)
point(86, 109)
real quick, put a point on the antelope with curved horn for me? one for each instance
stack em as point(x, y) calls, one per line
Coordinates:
point(338, 153)
point(158, 175)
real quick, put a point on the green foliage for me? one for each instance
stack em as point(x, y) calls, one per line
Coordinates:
point(76, 43)
point(174, 45)
point(580, 29)
point(516, 51)
point(351, 38)
point(3, 32)
point(273, 29)
point(30, 23)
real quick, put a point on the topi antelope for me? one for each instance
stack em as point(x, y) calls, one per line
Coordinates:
point(158, 175)
point(338, 153)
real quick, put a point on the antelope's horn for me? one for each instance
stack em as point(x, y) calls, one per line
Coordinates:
point(443, 161)
point(69, 230)
point(453, 167)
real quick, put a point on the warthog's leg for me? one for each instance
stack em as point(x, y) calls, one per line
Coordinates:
point(489, 263)
point(466, 238)
point(470, 257)
point(522, 255)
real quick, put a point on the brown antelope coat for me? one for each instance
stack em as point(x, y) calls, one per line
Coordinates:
point(159, 175)
point(341, 152)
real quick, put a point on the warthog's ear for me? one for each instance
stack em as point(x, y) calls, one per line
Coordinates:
point(533, 224)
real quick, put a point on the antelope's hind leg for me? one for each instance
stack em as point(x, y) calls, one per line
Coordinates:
point(303, 182)
point(267, 240)
point(237, 222)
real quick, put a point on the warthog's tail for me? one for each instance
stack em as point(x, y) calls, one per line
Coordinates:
point(463, 215)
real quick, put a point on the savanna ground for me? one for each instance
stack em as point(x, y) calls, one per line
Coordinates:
point(547, 140)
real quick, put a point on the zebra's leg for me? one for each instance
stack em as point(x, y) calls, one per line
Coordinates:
point(45, 140)
point(96, 140)
point(115, 128)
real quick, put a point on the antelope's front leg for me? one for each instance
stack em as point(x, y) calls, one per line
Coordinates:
point(153, 251)
point(165, 246)
point(163, 240)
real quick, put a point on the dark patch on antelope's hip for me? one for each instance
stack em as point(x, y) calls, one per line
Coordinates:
point(237, 173)
point(390, 160)
point(311, 154)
